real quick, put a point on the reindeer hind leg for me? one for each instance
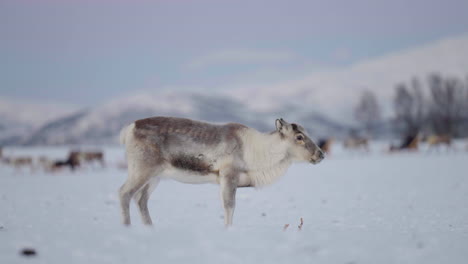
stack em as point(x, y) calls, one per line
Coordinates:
point(142, 196)
point(137, 178)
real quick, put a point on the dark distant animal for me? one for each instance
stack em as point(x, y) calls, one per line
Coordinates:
point(409, 143)
point(325, 145)
point(72, 161)
point(231, 155)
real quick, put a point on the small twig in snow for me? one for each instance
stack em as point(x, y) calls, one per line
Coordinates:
point(301, 224)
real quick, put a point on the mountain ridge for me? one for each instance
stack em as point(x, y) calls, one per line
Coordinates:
point(322, 100)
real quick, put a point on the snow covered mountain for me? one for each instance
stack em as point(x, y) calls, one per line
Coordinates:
point(102, 124)
point(19, 118)
point(321, 101)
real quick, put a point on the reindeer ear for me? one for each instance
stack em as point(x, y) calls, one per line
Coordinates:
point(280, 124)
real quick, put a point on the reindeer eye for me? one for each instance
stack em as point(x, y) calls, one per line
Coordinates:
point(299, 137)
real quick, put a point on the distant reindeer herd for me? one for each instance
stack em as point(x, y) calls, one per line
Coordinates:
point(81, 159)
point(412, 143)
point(73, 161)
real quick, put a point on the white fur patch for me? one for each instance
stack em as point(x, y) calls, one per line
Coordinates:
point(266, 157)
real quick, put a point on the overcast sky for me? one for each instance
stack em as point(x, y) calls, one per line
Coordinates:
point(85, 52)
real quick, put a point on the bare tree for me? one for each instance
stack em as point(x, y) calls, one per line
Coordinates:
point(448, 104)
point(466, 96)
point(409, 108)
point(420, 104)
point(445, 112)
point(464, 125)
point(367, 112)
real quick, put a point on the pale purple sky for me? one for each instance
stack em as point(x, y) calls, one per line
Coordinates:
point(85, 52)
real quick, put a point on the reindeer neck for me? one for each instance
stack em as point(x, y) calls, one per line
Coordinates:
point(266, 157)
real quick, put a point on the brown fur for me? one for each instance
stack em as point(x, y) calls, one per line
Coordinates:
point(164, 127)
point(191, 163)
point(157, 134)
point(439, 140)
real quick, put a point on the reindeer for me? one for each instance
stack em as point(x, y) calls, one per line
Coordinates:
point(24, 161)
point(73, 161)
point(357, 143)
point(410, 143)
point(436, 141)
point(231, 155)
point(91, 156)
point(325, 145)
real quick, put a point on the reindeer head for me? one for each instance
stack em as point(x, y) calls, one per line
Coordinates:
point(301, 147)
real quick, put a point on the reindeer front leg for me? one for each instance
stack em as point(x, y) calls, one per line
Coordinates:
point(228, 181)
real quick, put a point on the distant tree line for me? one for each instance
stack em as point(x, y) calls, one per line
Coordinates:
point(439, 107)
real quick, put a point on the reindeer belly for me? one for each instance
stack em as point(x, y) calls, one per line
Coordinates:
point(192, 168)
point(185, 176)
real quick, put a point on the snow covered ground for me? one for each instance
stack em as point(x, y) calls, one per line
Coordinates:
point(357, 208)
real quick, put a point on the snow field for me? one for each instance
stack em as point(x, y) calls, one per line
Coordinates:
point(357, 208)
